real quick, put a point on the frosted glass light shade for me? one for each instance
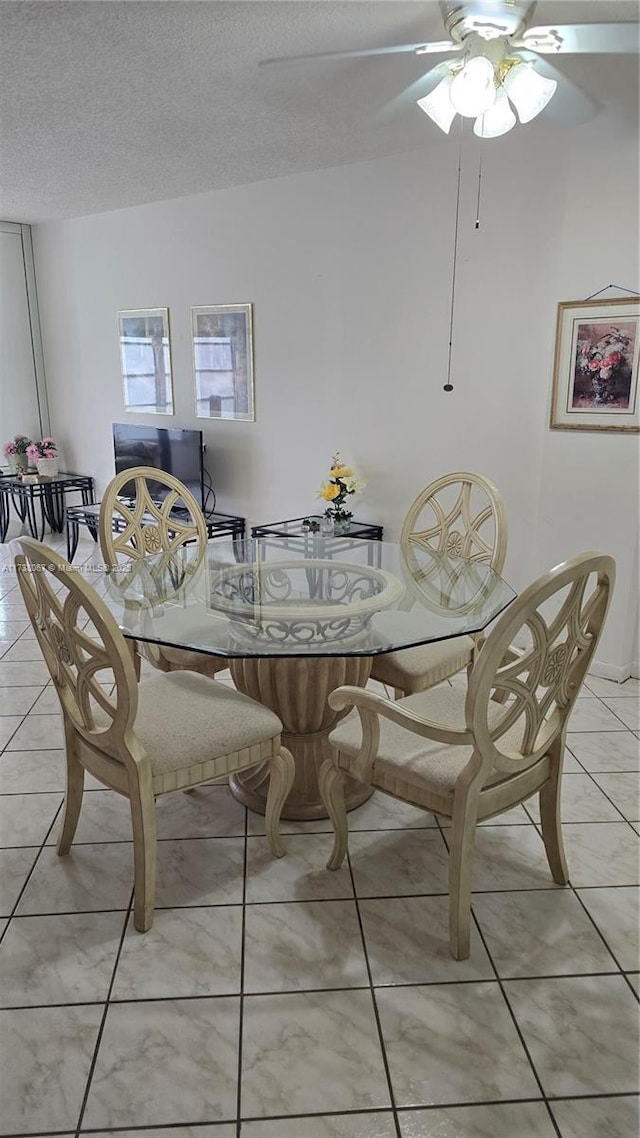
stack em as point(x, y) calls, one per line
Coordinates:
point(438, 106)
point(528, 91)
point(473, 90)
point(497, 120)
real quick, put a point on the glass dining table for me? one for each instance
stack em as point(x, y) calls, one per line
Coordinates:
point(295, 626)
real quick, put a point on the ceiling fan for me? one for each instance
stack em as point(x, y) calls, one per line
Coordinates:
point(498, 69)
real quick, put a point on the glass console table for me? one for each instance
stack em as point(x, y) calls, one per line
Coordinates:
point(218, 525)
point(42, 502)
point(306, 536)
point(295, 626)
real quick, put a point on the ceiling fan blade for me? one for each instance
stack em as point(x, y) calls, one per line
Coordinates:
point(591, 39)
point(396, 49)
point(413, 92)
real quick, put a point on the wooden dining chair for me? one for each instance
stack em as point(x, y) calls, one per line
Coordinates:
point(461, 514)
point(467, 756)
point(143, 524)
point(168, 733)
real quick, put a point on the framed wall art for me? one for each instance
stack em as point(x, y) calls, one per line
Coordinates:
point(222, 337)
point(145, 360)
point(595, 375)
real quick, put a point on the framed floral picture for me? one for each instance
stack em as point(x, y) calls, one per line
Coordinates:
point(595, 375)
point(222, 336)
point(145, 360)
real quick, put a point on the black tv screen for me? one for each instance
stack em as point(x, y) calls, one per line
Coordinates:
point(178, 452)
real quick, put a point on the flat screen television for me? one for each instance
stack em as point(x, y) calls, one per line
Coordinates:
point(178, 452)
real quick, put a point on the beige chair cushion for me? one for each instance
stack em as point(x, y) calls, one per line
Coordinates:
point(194, 729)
point(424, 665)
point(406, 760)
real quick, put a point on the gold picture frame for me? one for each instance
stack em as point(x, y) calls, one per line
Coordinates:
point(145, 360)
point(596, 365)
point(222, 344)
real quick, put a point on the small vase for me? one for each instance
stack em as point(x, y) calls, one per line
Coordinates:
point(17, 463)
point(341, 525)
point(47, 467)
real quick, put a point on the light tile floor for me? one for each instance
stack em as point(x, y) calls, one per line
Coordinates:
point(273, 999)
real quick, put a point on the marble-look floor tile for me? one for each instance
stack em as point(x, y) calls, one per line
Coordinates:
point(398, 862)
point(46, 1055)
point(23, 650)
point(634, 979)
point(64, 959)
point(304, 1050)
point(25, 818)
point(166, 1061)
point(581, 801)
point(378, 1125)
point(18, 701)
point(23, 772)
point(88, 879)
point(627, 708)
point(47, 703)
point(10, 630)
point(380, 812)
point(216, 1130)
point(600, 751)
point(497, 1120)
point(540, 932)
point(306, 944)
point(597, 685)
point(186, 952)
point(203, 871)
point(615, 1117)
point(38, 732)
point(623, 788)
point(300, 876)
point(515, 817)
point(601, 853)
point(616, 912)
point(14, 867)
point(104, 817)
point(25, 673)
point(510, 857)
point(452, 1043)
point(9, 724)
point(206, 812)
point(581, 1032)
point(407, 941)
point(593, 715)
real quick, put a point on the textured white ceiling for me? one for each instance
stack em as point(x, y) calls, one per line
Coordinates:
point(112, 104)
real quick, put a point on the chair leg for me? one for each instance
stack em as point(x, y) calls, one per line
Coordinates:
point(282, 770)
point(460, 861)
point(143, 818)
point(331, 785)
point(550, 815)
point(72, 801)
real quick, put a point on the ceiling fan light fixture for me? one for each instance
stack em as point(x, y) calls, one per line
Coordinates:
point(498, 120)
point(438, 106)
point(473, 89)
point(528, 91)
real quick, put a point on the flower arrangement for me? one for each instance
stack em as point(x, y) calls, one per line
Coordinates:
point(19, 444)
point(46, 448)
point(342, 483)
point(605, 363)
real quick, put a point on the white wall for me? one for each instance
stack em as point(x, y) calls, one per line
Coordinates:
point(349, 271)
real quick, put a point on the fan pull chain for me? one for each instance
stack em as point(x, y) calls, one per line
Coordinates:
point(477, 225)
point(448, 386)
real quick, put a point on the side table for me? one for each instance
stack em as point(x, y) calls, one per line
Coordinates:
point(317, 544)
point(218, 525)
point(41, 503)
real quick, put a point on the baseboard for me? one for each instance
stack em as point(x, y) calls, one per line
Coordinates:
point(617, 672)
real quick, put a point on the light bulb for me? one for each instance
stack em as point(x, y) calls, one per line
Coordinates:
point(437, 105)
point(473, 90)
point(528, 91)
point(497, 120)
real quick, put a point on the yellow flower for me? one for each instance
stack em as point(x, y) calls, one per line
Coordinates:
point(341, 471)
point(328, 491)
